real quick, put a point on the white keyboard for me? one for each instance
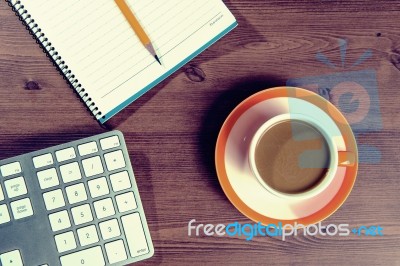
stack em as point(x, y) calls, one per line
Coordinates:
point(72, 204)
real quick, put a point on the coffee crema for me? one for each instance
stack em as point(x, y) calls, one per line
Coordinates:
point(292, 157)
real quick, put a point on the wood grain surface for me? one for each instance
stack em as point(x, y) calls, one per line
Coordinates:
point(171, 131)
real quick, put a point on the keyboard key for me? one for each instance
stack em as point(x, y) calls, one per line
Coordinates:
point(109, 143)
point(120, 181)
point(134, 234)
point(1, 194)
point(115, 251)
point(92, 166)
point(70, 172)
point(10, 169)
point(114, 160)
point(88, 148)
point(21, 208)
point(48, 178)
point(15, 187)
point(126, 202)
point(109, 229)
point(104, 208)
point(87, 235)
point(87, 257)
point(98, 187)
point(54, 199)
point(43, 160)
point(4, 214)
point(82, 214)
point(12, 258)
point(76, 193)
point(65, 154)
point(65, 241)
point(59, 221)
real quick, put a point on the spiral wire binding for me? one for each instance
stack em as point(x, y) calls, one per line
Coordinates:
point(56, 59)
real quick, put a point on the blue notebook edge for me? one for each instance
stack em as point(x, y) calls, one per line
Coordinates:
point(135, 96)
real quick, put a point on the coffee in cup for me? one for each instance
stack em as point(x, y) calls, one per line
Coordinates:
point(293, 157)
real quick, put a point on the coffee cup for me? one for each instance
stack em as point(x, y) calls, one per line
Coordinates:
point(293, 157)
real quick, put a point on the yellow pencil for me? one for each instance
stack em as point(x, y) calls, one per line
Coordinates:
point(130, 17)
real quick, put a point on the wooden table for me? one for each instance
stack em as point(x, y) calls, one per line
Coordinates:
point(171, 130)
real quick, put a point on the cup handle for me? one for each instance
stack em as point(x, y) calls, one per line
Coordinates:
point(346, 158)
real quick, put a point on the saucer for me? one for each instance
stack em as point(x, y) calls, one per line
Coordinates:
point(244, 190)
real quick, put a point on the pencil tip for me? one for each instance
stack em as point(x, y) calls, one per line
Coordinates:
point(158, 60)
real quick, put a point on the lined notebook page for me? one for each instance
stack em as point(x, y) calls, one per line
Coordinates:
point(104, 53)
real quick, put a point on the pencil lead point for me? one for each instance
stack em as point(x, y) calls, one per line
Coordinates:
point(158, 60)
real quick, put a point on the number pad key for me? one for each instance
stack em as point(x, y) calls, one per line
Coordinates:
point(87, 257)
point(104, 208)
point(114, 160)
point(115, 251)
point(70, 172)
point(92, 166)
point(87, 235)
point(48, 178)
point(120, 181)
point(15, 187)
point(126, 202)
point(59, 221)
point(4, 214)
point(109, 229)
point(54, 199)
point(98, 187)
point(65, 241)
point(76, 193)
point(135, 236)
point(82, 214)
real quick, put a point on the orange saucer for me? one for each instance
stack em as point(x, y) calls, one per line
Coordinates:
point(232, 165)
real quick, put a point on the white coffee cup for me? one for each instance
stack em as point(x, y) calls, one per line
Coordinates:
point(336, 158)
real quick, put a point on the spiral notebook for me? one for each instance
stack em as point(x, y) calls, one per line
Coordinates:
point(99, 54)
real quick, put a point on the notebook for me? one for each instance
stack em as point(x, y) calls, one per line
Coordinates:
point(94, 47)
